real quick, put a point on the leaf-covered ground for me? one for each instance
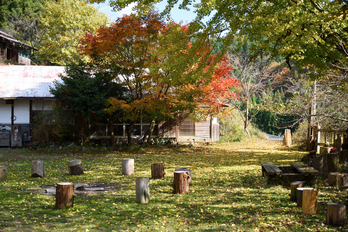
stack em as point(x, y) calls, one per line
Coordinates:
point(228, 192)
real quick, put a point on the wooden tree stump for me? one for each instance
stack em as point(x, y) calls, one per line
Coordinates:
point(38, 168)
point(157, 171)
point(341, 180)
point(332, 178)
point(64, 195)
point(309, 201)
point(3, 172)
point(181, 182)
point(287, 138)
point(299, 195)
point(293, 187)
point(335, 214)
point(142, 190)
point(75, 167)
point(128, 167)
point(186, 170)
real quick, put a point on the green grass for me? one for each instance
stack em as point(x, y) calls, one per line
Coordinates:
point(228, 192)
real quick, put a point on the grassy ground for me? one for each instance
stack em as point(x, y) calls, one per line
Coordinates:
point(227, 194)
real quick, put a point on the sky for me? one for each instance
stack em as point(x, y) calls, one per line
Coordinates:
point(178, 16)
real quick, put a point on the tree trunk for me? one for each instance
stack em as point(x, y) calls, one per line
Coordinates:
point(309, 201)
point(287, 138)
point(64, 195)
point(128, 167)
point(157, 171)
point(186, 170)
point(142, 191)
point(300, 195)
point(3, 172)
point(129, 132)
point(38, 168)
point(336, 214)
point(111, 131)
point(75, 167)
point(293, 187)
point(181, 182)
point(152, 127)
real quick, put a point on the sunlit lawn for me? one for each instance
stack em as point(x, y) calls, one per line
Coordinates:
point(228, 192)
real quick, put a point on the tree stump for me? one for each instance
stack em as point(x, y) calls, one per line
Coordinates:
point(299, 195)
point(332, 178)
point(3, 172)
point(293, 187)
point(38, 168)
point(341, 180)
point(157, 171)
point(75, 167)
point(335, 214)
point(64, 195)
point(287, 138)
point(309, 201)
point(333, 162)
point(181, 182)
point(128, 167)
point(142, 191)
point(186, 170)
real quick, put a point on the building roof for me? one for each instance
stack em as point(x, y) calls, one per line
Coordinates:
point(28, 81)
point(13, 40)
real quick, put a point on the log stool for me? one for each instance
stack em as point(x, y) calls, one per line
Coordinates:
point(293, 187)
point(299, 194)
point(3, 172)
point(157, 171)
point(75, 167)
point(309, 201)
point(186, 170)
point(142, 187)
point(181, 182)
point(38, 168)
point(64, 195)
point(128, 167)
point(335, 214)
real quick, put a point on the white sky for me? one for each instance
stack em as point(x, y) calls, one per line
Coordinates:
point(177, 15)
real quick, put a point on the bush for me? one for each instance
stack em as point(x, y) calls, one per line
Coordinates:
point(299, 137)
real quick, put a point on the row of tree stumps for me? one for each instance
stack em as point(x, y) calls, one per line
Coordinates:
point(307, 198)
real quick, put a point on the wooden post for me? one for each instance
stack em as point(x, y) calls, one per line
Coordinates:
point(333, 160)
point(37, 168)
point(181, 182)
point(186, 170)
point(128, 167)
point(142, 191)
point(64, 195)
point(341, 180)
point(287, 138)
point(3, 172)
point(309, 201)
point(332, 178)
point(75, 167)
point(157, 171)
point(293, 187)
point(299, 195)
point(335, 214)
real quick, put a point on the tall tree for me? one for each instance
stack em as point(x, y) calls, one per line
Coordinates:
point(309, 32)
point(61, 24)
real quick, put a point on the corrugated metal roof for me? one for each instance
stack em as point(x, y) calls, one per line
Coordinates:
point(12, 39)
point(28, 81)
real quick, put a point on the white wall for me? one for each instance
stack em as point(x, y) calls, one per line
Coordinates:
point(5, 112)
point(21, 111)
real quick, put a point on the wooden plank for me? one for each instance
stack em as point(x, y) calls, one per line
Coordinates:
point(304, 168)
point(271, 169)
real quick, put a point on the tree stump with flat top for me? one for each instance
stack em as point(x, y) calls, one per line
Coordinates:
point(3, 172)
point(309, 201)
point(181, 182)
point(142, 191)
point(64, 195)
point(293, 187)
point(299, 195)
point(38, 168)
point(336, 214)
point(157, 171)
point(75, 167)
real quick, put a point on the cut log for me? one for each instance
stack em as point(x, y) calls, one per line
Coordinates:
point(3, 172)
point(333, 161)
point(299, 195)
point(287, 141)
point(335, 214)
point(157, 171)
point(293, 187)
point(38, 168)
point(332, 178)
point(181, 182)
point(64, 195)
point(186, 170)
point(142, 190)
point(75, 167)
point(309, 201)
point(341, 180)
point(128, 167)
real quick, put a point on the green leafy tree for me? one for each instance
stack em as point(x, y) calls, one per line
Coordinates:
point(82, 96)
point(310, 32)
point(61, 24)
